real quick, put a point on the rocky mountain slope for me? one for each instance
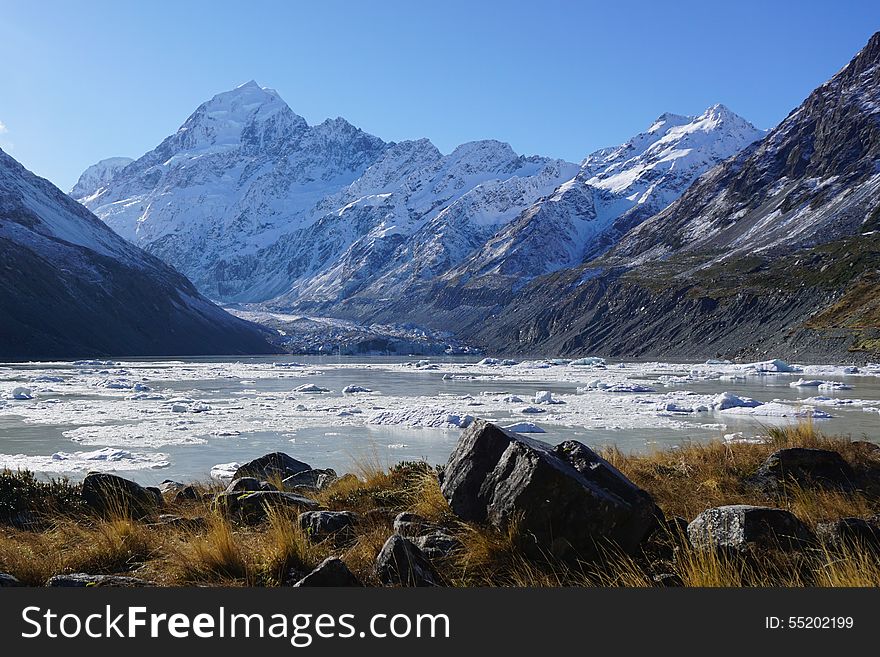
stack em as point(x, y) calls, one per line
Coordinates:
point(71, 287)
point(774, 251)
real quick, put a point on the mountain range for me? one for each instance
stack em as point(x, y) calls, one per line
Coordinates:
point(702, 236)
point(256, 206)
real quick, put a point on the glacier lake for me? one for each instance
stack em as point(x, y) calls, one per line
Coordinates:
point(151, 420)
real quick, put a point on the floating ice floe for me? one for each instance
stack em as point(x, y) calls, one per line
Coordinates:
point(352, 389)
point(512, 399)
point(524, 427)
point(20, 393)
point(778, 409)
point(590, 361)
point(532, 409)
point(774, 366)
point(422, 417)
point(105, 459)
point(310, 388)
point(727, 400)
point(224, 470)
point(835, 385)
point(740, 437)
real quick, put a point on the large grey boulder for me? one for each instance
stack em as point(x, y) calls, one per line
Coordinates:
point(319, 525)
point(401, 563)
point(275, 465)
point(252, 507)
point(741, 527)
point(568, 499)
point(107, 494)
point(804, 466)
point(330, 572)
point(437, 544)
point(83, 580)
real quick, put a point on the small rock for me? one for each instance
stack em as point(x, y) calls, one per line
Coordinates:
point(320, 525)
point(312, 478)
point(805, 466)
point(330, 572)
point(108, 494)
point(275, 465)
point(411, 525)
point(437, 545)
point(83, 580)
point(741, 527)
point(9, 581)
point(401, 563)
point(668, 579)
point(187, 494)
point(851, 531)
point(251, 507)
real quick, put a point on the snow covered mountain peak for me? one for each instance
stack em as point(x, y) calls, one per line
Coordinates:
point(98, 175)
point(231, 117)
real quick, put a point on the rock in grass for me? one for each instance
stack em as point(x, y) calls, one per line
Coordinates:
point(411, 525)
point(401, 563)
point(330, 572)
point(568, 499)
point(314, 478)
point(9, 581)
point(83, 580)
point(187, 494)
point(243, 484)
point(856, 532)
point(253, 507)
point(805, 466)
point(437, 544)
point(271, 466)
point(107, 494)
point(741, 527)
point(320, 525)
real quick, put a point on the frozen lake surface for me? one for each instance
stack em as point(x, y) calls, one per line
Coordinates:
point(172, 419)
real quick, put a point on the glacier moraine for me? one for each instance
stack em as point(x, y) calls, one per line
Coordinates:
point(190, 420)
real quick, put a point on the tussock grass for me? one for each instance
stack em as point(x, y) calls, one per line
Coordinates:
point(683, 481)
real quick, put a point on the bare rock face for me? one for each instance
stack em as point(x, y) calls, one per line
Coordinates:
point(568, 499)
point(741, 527)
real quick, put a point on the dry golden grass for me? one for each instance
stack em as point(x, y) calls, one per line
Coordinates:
point(683, 481)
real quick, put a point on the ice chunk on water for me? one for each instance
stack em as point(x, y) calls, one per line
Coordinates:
point(20, 393)
point(310, 388)
point(224, 470)
point(352, 389)
point(590, 361)
point(727, 400)
point(524, 427)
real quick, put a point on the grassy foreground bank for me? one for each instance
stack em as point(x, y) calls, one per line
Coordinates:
point(63, 537)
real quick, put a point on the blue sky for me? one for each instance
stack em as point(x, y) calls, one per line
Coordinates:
point(87, 80)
